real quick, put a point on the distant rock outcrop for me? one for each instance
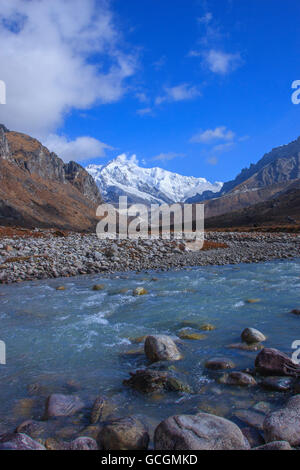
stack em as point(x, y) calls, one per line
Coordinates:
point(37, 189)
point(275, 169)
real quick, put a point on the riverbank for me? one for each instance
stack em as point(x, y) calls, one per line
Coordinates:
point(43, 254)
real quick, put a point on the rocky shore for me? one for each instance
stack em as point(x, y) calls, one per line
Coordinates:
point(61, 424)
point(48, 254)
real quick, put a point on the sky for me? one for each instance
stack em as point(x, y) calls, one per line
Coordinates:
point(199, 87)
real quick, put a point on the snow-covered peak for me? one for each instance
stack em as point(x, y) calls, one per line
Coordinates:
point(124, 176)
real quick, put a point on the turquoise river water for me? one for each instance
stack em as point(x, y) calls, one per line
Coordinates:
point(80, 339)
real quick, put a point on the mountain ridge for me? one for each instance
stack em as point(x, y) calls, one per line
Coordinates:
point(123, 176)
point(37, 189)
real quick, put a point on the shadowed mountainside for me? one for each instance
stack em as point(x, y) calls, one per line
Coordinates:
point(37, 189)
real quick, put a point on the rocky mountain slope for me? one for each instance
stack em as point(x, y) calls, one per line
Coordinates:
point(279, 166)
point(124, 177)
point(282, 209)
point(37, 189)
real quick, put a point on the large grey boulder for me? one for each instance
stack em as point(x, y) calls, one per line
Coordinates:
point(124, 434)
point(161, 348)
point(19, 441)
point(199, 432)
point(284, 424)
point(62, 405)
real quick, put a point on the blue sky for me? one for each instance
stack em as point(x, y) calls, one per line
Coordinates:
point(202, 88)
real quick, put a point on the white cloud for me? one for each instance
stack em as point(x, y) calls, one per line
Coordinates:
point(205, 19)
point(80, 149)
point(212, 161)
point(57, 56)
point(220, 62)
point(144, 111)
point(178, 93)
point(210, 135)
point(167, 156)
point(142, 97)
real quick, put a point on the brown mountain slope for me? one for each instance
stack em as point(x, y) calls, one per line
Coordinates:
point(37, 189)
point(282, 209)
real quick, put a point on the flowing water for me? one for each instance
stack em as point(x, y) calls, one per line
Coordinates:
point(81, 339)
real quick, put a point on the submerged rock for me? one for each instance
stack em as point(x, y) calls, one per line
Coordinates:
point(151, 381)
point(253, 436)
point(99, 287)
point(251, 335)
point(251, 418)
point(124, 434)
point(34, 429)
point(273, 362)
point(284, 424)
point(62, 405)
point(277, 384)
point(140, 291)
point(138, 340)
point(60, 288)
point(246, 347)
point(219, 363)
point(237, 378)
point(192, 335)
point(161, 348)
point(18, 441)
point(199, 432)
point(207, 327)
point(252, 301)
point(296, 311)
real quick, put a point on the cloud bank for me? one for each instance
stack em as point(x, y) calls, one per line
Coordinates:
point(58, 56)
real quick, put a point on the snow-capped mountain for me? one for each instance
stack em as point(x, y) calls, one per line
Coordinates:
point(124, 177)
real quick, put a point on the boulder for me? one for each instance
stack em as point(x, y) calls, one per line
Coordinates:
point(84, 443)
point(273, 362)
point(62, 405)
point(237, 378)
point(251, 335)
point(276, 445)
point(102, 408)
point(219, 363)
point(19, 441)
point(161, 348)
point(199, 432)
point(284, 424)
point(124, 434)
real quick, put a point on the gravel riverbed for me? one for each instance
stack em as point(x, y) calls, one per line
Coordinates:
point(52, 256)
